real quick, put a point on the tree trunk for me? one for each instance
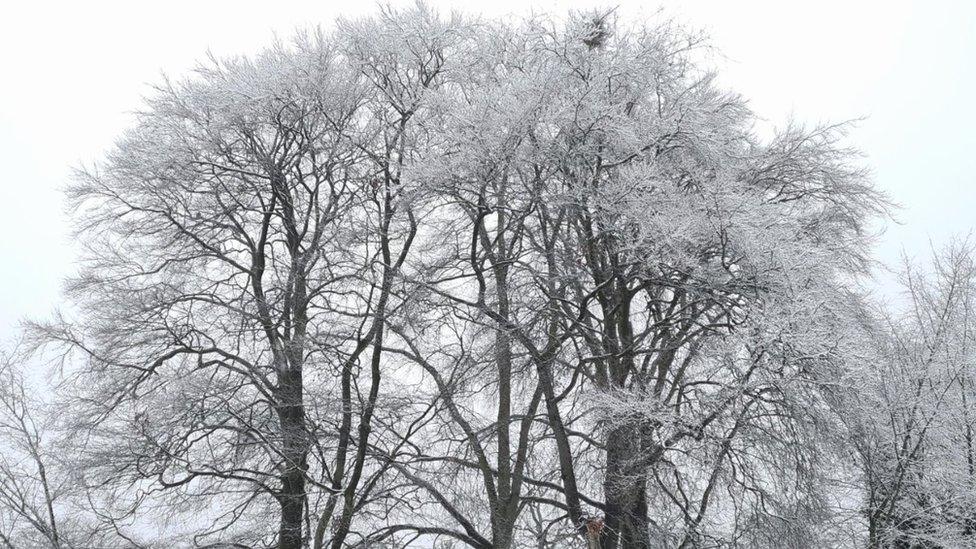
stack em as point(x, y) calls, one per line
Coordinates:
point(291, 414)
point(502, 517)
point(567, 472)
point(625, 489)
point(501, 536)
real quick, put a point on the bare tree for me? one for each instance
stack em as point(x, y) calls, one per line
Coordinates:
point(42, 500)
point(651, 231)
point(219, 254)
point(912, 422)
point(28, 495)
point(434, 280)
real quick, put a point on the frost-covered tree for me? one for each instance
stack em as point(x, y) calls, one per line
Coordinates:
point(43, 501)
point(240, 249)
point(670, 277)
point(29, 491)
point(427, 280)
point(912, 417)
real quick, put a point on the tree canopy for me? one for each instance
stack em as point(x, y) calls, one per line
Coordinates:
point(433, 281)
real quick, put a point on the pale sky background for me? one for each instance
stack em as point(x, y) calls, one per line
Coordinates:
point(71, 72)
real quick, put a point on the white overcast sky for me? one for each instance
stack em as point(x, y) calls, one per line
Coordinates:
point(71, 72)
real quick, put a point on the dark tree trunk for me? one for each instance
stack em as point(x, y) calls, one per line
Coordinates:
point(501, 537)
point(625, 489)
point(567, 472)
point(291, 414)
